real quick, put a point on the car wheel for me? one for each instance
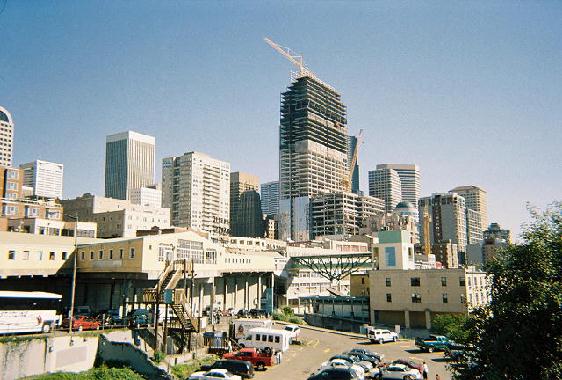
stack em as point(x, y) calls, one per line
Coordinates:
point(381, 341)
point(80, 328)
point(394, 339)
point(261, 366)
point(430, 350)
point(46, 328)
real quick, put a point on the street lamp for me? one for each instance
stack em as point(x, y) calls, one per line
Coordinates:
point(73, 291)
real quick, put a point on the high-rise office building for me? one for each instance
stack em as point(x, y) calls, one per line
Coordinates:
point(6, 137)
point(46, 178)
point(129, 163)
point(313, 155)
point(476, 199)
point(410, 180)
point(196, 187)
point(246, 217)
point(269, 193)
point(446, 215)
point(385, 184)
point(352, 145)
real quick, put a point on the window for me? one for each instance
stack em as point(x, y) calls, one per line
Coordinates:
point(258, 337)
point(91, 255)
point(100, 255)
point(12, 255)
point(416, 298)
point(25, 255)
point(390, 255)
point(463, 299)
point(461, 281)
point(132, 253)
point(362, 280)
point(469, 282)
point(111, 254)
point(82, 255)
point(415, 281)
point(65, 255)
point(276, 339)
point(121, 254)
point(388, 297)
point(388, 282)
point(270, 338)
point(443, 281)
point(445, 298)
point(51, 255)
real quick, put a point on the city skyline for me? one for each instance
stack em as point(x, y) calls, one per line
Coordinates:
point(500, 135)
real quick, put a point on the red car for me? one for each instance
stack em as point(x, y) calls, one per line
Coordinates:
point(82, 323)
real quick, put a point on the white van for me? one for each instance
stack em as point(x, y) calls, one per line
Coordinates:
point(242, 326)
point(258, 337)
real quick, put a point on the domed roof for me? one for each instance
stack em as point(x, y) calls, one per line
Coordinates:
point(405, 204)
point(4, 117)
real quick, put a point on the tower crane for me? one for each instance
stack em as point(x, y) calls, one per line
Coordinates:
point(296, 60)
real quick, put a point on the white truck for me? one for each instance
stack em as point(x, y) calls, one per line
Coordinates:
point(242, 326)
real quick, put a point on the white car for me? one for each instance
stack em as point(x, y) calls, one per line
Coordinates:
point(340, 363)
point(214, 374)
point(400, 371)
point(294, 330)
point(382, 336)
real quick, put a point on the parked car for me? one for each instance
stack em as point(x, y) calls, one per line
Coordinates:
point(400, 372)
point(341, 363)
point(433, 343)
point(294, 330)
point(410, 364)
point(258, 313)
point(259, 358)
point(334, 374)
point(382, 336)
point(366, 352)
point(243, 313)
point(374, 360)
point(139, 317)
point(81, 323)
point(454, 351)
point(214, 374)
point(243, 369)
point(111, 317)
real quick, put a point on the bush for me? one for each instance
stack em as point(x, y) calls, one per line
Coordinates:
point(450, 325)
point(279, 316)
point(288, 311)
point(184, 370)
point(102, 373)
point(159, 356)
point(296, 320)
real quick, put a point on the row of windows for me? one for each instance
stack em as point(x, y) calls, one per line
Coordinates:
point(416, 281)
point(38, 255)
point(416, 298)
point(101, 256)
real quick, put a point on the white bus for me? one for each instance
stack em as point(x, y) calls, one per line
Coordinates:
point(259, 337)
point(27, 312)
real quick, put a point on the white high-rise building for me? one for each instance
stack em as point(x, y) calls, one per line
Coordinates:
point(147, 196)
point(385, 184)
point(6, 137)
point(410, 180)
point(196, 187)
point(129, 163)
point(270, 197)
point(46, 178)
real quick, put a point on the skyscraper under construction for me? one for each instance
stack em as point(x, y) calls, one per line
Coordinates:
point(313, 151)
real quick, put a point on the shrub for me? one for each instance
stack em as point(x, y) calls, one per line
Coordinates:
point(296, 320)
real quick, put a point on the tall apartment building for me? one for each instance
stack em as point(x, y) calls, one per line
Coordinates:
point(129, 163)
point(246, 217)
point(342, 213)
point(269, 193)
point(410, 180)
point(147, 196)
point(313, 152)
point(384, 183)
point(196, 188)
point(473, 226)
point(6, 137)
point(476, 199)
point(447, 219)
point(352, 145)
point(46, 178)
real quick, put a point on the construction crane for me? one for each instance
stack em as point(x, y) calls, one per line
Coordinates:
point(296, 60)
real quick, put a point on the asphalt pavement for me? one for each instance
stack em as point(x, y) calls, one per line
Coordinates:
point(318, 346)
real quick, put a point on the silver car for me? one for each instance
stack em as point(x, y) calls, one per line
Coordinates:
point(400, 372)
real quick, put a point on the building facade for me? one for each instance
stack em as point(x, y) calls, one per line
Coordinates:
point(446, 217)
point(129, 163)
point(196, 188)
point(385, 184)
point(147, 196)
point(313, 152)
point(410, 180)
point(476, 198)
point(342, 213)
point(269, 193)
point(46, 178)
point(6, 137)
point(246, 218)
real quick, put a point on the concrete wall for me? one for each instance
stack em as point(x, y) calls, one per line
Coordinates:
point(36, 356)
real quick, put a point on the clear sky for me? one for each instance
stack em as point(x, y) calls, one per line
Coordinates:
point(470, 91)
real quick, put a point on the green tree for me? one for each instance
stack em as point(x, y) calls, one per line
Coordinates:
point(519, 334)
point(450, 325)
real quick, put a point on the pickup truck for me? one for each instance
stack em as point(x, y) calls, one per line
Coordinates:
point(433, 343)
point(259, 358)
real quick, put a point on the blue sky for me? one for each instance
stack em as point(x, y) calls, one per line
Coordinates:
point(470, 91)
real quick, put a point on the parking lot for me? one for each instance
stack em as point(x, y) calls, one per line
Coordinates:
point(318, 346)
